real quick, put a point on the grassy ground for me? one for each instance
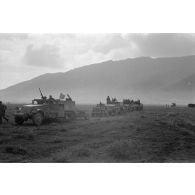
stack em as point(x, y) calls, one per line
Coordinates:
point(156, 134)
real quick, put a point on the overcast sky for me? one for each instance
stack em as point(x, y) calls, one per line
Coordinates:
point(24, 56)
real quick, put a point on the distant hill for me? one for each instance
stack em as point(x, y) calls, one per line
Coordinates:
point(160, 80)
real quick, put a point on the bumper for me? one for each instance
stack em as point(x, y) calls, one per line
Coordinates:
point(21, 115)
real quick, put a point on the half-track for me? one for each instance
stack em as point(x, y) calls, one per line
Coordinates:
point(48, 108)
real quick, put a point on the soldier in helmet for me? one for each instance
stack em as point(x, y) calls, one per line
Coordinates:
point(51, 99)
point(2, 112)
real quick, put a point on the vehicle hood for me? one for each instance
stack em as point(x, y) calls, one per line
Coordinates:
point(32, 105)
point(29, 108)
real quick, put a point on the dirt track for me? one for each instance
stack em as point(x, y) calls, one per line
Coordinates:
point(156, 134)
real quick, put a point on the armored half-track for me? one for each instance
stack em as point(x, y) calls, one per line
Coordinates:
point(113, 107)
point(48, 108)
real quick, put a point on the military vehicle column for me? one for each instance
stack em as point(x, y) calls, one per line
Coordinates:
point(113, 107)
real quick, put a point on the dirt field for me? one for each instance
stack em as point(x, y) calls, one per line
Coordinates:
point(156, 134)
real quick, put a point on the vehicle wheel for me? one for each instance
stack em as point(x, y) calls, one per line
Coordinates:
point(37, 119)
point(19, 120)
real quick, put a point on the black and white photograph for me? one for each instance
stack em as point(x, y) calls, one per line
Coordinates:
point(113, 97)
point(97, 97)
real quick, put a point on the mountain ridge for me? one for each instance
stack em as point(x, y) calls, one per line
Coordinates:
point(153, 80)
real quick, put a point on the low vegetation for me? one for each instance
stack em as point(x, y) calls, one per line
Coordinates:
point(153, 135)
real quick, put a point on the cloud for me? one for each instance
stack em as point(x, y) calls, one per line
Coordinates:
point(111, 42)
point(45, 56)
point(164, 44)
point(11, 36)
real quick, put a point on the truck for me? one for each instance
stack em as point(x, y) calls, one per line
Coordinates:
point(113, 107)
point(48, 108)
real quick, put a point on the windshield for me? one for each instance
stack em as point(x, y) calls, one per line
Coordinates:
point(37, 101)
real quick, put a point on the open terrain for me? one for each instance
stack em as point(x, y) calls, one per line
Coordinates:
point(156, 134)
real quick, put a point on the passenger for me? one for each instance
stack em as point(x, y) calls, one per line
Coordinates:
point(51, 100)
point(108, 100)
point(2, 112)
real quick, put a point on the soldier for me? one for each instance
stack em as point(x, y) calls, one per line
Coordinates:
point(2, 112)
point(51, 99)
point(44, 99)
point(114, 100)
point(108, 100)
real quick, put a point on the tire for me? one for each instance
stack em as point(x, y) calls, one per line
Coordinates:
point(38, 118)
point(19, 120)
